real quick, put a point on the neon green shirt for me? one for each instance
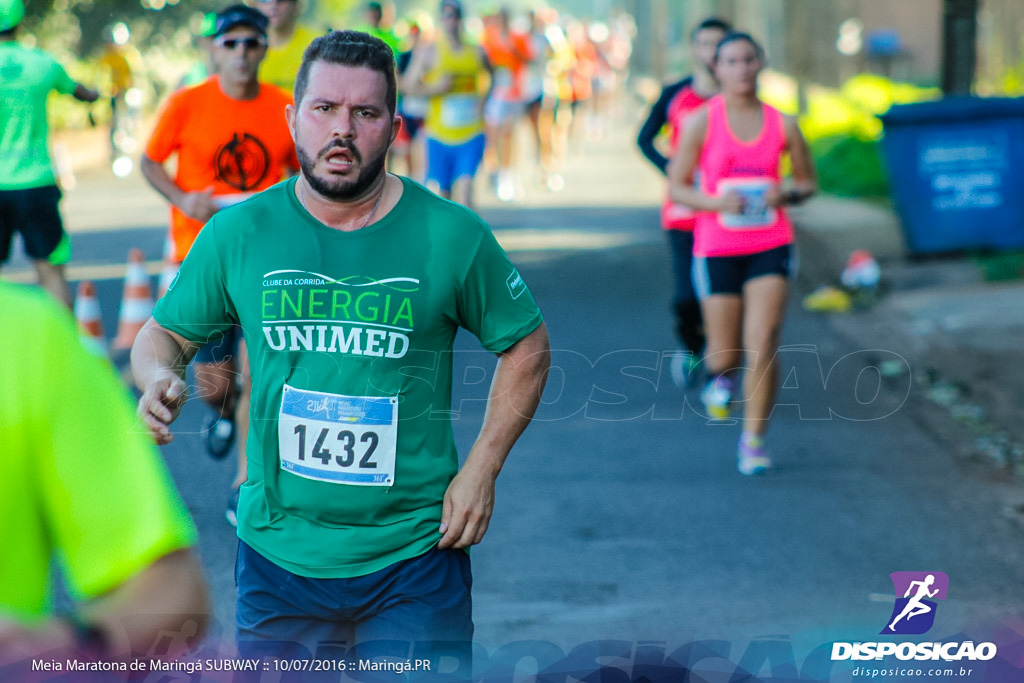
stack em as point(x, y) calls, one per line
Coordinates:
point(78, 479)
point(26, 78)
point(350, 336)
point(385, 34)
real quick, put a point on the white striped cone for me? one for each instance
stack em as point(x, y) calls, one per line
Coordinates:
point(136, 302)
point(87, 313)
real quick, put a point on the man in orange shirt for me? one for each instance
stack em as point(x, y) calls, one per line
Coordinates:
point(231, 140)
point(509, 53)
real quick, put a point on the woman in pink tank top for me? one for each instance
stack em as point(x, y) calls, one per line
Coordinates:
point(743, 238)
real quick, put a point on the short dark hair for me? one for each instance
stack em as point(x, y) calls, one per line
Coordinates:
point(350, 48)
point(710, 24)
point(733, 36)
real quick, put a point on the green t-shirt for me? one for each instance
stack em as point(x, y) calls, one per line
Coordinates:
point(78, 479)
point(388, 36)
point(26, 78)
point(358, 325)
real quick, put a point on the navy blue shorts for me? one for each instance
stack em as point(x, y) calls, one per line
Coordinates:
point(413, 125)
point(33, 212)
point(448, 163)
point(728, 274)
point(419, 608)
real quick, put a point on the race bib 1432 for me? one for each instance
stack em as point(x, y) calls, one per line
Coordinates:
point(338, 439)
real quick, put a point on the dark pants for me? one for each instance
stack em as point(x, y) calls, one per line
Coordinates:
point(689, 325)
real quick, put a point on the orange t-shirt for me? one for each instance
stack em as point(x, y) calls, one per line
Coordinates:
point(508, 56)
point(237, 147)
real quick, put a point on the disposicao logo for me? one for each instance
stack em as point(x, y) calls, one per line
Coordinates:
point(913, 614)
point(916, 593)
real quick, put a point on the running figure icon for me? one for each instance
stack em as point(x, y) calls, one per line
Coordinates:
point(915, 606)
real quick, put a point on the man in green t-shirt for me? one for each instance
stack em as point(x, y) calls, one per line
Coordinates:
point(377, 27)
point(81, 485)
point(28, 191)
point(350, 285)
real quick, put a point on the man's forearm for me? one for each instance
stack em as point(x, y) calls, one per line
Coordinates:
point(165, 596)
point(156, 353)
point(158, 178)
point(515, 394)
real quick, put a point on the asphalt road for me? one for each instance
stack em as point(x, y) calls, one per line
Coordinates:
point(620, 514)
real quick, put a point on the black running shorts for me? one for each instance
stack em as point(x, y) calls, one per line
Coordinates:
point(33, 213)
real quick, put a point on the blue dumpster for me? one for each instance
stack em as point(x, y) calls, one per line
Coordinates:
point(956, 167)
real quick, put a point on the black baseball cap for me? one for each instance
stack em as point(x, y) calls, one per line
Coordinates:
point(239, 15)
point(454, 4)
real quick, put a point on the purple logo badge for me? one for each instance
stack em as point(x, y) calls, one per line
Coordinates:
point(916, 593)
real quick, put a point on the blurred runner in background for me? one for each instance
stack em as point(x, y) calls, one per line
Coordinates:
point(288, 40)
point(409, 149)
point(539, 108)
point(120, 61)
point(558, 90)
point(380, 24)
point(231, 140)
point(29, 195)
point(454, 75)
point(743, 238)
point(508, 53)
point(203, 36)
point(677, 102)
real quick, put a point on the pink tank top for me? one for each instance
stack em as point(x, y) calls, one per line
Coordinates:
point(750, 168)
point(676, 216)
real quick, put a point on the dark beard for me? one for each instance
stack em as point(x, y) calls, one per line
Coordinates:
point(337, 189)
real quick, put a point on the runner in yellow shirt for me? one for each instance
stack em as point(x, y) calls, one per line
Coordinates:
point(288, 40)
point(456, 76)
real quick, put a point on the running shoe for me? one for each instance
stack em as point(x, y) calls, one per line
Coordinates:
point(752, 457)
point(218, 435)
point(231, 513)
point(682, 369)
point(716, 396)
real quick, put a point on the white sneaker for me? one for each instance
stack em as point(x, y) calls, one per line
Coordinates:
point(716, 396)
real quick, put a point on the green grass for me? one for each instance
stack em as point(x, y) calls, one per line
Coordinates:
point(1002, 266)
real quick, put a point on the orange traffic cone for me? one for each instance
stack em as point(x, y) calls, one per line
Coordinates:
point(169, 271)
point(87, 313)
point(136, 303)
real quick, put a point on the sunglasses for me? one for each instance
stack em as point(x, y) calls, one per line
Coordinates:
point(232, 43)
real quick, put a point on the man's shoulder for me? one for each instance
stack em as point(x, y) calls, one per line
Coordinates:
point(39, 60)
point(447, 215)
point(256, 207)
point(192, 95)
point(673, 88)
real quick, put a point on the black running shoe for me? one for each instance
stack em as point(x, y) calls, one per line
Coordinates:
point(218, 435)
